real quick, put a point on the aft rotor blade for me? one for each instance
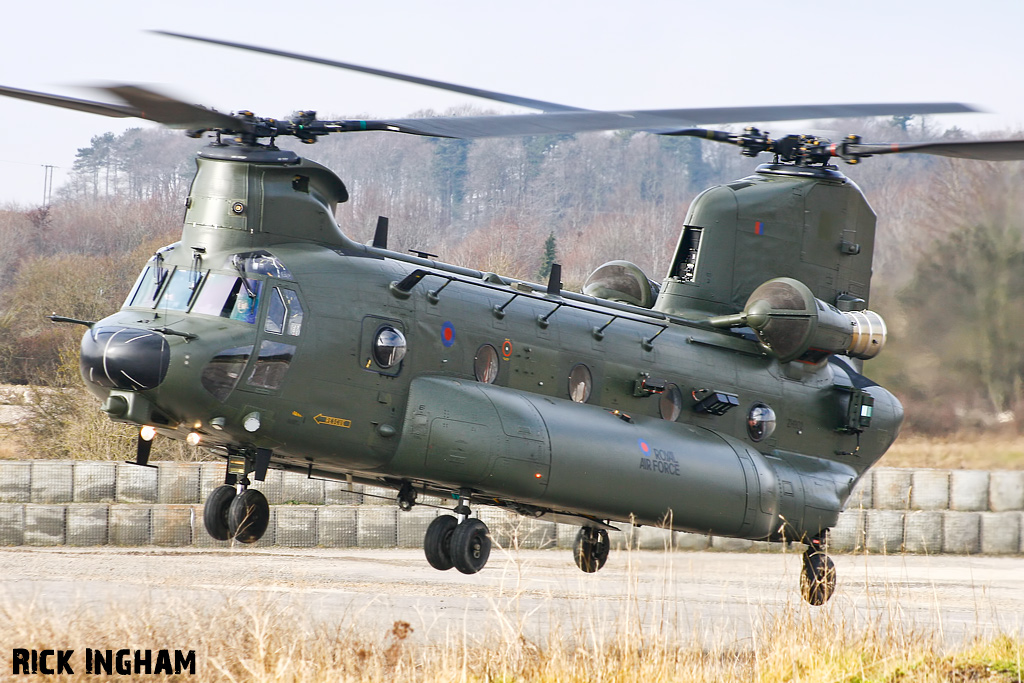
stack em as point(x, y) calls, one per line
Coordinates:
point(665, 121)
point(984, 150)
point(453, 87)
point(90, 106)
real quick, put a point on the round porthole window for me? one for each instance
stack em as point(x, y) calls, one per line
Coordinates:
point(388, 347)
point(760, 422)
point(671, 403)
point(580, 383)
point(485, 365)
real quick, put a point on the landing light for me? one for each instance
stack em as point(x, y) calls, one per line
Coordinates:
point(193, 438)
point(251, 422)
point(218, 423)
point(147, 433)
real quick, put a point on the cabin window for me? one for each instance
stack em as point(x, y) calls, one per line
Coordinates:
point(221, 374)
point(485, 365)
point(271, 365)
point(671, 403)
point(580, 383)
point(389, 347)
point(760, 422)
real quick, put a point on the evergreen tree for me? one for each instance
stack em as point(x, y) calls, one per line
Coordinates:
point(550, 256)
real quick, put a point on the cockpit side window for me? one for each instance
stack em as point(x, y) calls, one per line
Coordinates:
point(228, 297)
point(284, 314)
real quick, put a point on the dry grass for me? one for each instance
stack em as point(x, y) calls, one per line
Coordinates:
point(983, 451)
point(252, 639)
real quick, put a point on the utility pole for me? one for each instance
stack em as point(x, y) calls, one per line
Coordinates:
point(47, 183)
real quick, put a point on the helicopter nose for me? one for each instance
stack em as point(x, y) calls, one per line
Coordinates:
point(124, 358)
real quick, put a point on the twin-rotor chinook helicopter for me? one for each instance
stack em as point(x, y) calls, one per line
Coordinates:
point(729, 400)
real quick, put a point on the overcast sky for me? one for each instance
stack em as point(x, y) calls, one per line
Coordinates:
point(598, 54)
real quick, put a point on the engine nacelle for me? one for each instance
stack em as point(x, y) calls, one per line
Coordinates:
point(791, 324)
point(622, 281)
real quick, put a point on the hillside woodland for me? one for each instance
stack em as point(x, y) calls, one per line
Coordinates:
point(948, 277)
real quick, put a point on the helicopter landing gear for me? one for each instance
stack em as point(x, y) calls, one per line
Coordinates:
point(590, 550)
point(461, 542)
point(818, 578)
point(233, 510)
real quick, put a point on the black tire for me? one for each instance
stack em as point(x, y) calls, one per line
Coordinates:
point(590, 549)
point(437, 541)
point(818, 578)
point(470, 546)
point(215, 512)
point(249, 516)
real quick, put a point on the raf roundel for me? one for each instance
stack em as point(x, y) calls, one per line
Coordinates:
point(645, 449)
point(447, 334)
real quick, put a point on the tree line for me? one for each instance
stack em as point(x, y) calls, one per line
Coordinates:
point(948, 275)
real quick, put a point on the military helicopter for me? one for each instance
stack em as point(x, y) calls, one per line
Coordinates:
point(728, 400)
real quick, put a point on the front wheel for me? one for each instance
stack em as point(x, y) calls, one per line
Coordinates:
point(437, 542)
point(249, 516)
point(818, 578)
point(470, 546)
point(590, 550)
point(215, 512)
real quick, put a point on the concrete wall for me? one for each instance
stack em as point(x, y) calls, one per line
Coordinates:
point(100, 503)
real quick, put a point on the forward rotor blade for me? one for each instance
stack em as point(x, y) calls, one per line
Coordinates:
point(465, 90)
point(169, 111)
point(664, 121)
point(984, 150)
point(90, 106)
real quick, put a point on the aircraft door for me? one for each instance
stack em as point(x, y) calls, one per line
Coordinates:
point(280, 324)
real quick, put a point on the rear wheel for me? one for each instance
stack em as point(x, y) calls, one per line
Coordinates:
point(590, 550)
point(470, 546)
point(215, 512)
point(249, 516)
point(437, 541)
point(818, 578)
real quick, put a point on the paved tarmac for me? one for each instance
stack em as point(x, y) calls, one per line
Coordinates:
point(713, 597)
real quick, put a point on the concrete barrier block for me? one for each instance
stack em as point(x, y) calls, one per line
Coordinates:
point(731, 545)
point(172, 524)
point(380, 495)
point(883, 531)
point(847, 536)
point(961, 533)
point(503, 525)
point(136, 484)
point(654, 538)
point(412, 526)
point(968, 490)
point(336, 525)
point(178, 483)
point(624, 539)
point(269, 537)
point(129, 524)
point(923, 532)
point(211, 475)
point(44, 524)
point(339, 493)
point(862, 495)
point(891, 489)
point(86, 524)
point(1000, 533)
point(12, 523)
point(767, 547)
point(52, 481)
point(1005, 491)
point(377, 526)
point(929, 490)
point(15, 482)
point(684, 540)
point(272, 487)
point(200, 538)
point(94, 482)
point(537, 534)
point(297, 526)
point(298, 488)
point(565, 535)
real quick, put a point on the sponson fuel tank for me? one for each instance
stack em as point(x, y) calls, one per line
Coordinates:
point(514, 444)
